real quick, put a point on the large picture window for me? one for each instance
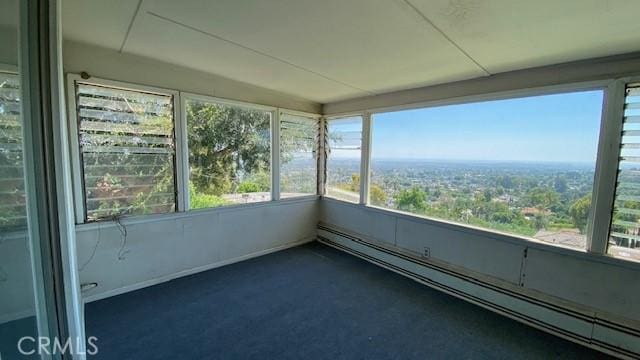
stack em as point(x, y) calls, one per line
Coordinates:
point(229, 154)
point(522, 166)
point(298, 155)
point(344, 143)
point(127, 151)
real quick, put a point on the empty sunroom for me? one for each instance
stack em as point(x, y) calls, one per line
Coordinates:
point(378, 179)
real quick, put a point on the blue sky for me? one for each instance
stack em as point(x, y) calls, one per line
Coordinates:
point(559, 127)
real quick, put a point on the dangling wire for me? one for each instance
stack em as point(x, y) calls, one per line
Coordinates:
point(123, 236)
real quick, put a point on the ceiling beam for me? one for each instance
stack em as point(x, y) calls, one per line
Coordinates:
point(596, 69)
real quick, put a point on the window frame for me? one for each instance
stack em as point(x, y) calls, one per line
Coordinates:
point(319, 159)
point(365, 147)
point(79, 194)
point(184, 149)
point(181, 168)
point(602, 185)
point(615, 117)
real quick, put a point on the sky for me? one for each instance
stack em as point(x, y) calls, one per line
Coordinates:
point(548, 128)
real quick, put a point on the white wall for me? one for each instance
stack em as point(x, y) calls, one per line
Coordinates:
point(9, 41)
point(176, 245)
point(113, 65)
point(16, 281)
point(585, 282)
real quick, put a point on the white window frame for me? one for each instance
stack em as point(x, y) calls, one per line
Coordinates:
point(603, 186)
point(78, 183)
point(365, 147)
point(319, 155)
point(184, 149)
point(613, 120)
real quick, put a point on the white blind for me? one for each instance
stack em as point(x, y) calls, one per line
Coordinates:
point(625, 225)
point(12, 193)
point(127, 149)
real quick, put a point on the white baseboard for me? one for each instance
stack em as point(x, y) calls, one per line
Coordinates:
point(559, 320)
point(195, 270)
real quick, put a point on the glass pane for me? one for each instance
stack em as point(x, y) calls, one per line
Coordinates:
point(344, 141)
point(520, 166)
point(624, 236)
point(127, 149)
point(298, 151)
point(17, 304)
point(229, 154)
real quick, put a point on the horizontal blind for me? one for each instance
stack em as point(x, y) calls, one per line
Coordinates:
point(127, 148)
point(625, 224)
point(13, 214)
point(345, 134)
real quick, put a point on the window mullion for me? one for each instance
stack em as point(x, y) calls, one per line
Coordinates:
point(606, 169)
point(182, 153)
point(322, 156)
point(365, 172)
point(275, 155)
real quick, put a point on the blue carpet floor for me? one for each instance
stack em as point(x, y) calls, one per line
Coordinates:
point(309, 302)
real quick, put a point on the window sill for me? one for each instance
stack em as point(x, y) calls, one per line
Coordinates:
point(141, 219)
point(496, 235)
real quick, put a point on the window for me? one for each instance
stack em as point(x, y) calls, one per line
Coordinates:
point(229, 154)
point(624, 236)
point(298, 155)
point(127, 151)
point(13, 214)
point(521, 166)
point(344, 141)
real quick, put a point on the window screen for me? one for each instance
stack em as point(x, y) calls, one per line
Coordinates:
point(344, 142)
point(624, 237)
point(12, 195)
point(127, 151)
point(298, 151)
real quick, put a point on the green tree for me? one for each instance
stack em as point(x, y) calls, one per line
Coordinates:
point(412, 200)
point(226, 145)
point(542, 197)
point(579, 212)
point(377, 196)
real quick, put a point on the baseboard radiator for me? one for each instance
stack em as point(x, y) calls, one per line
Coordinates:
point(611, 338)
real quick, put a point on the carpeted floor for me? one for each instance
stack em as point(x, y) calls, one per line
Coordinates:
point(309, 302)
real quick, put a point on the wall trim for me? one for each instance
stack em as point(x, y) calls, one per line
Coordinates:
point(562, 321)
point(195, 270)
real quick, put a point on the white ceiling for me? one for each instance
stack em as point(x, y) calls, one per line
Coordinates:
point(332, 50)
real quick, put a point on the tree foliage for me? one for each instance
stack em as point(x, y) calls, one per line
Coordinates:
point(412, 200)
point(579, 212)
point(227, 144)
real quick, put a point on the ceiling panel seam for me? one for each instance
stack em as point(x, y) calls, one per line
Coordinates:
point(425, 18)
point(133, 19)
point(258, 52)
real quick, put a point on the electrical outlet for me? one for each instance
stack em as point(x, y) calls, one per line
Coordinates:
point(427, 253)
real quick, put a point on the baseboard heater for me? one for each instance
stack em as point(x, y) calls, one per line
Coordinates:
point(615, 339)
